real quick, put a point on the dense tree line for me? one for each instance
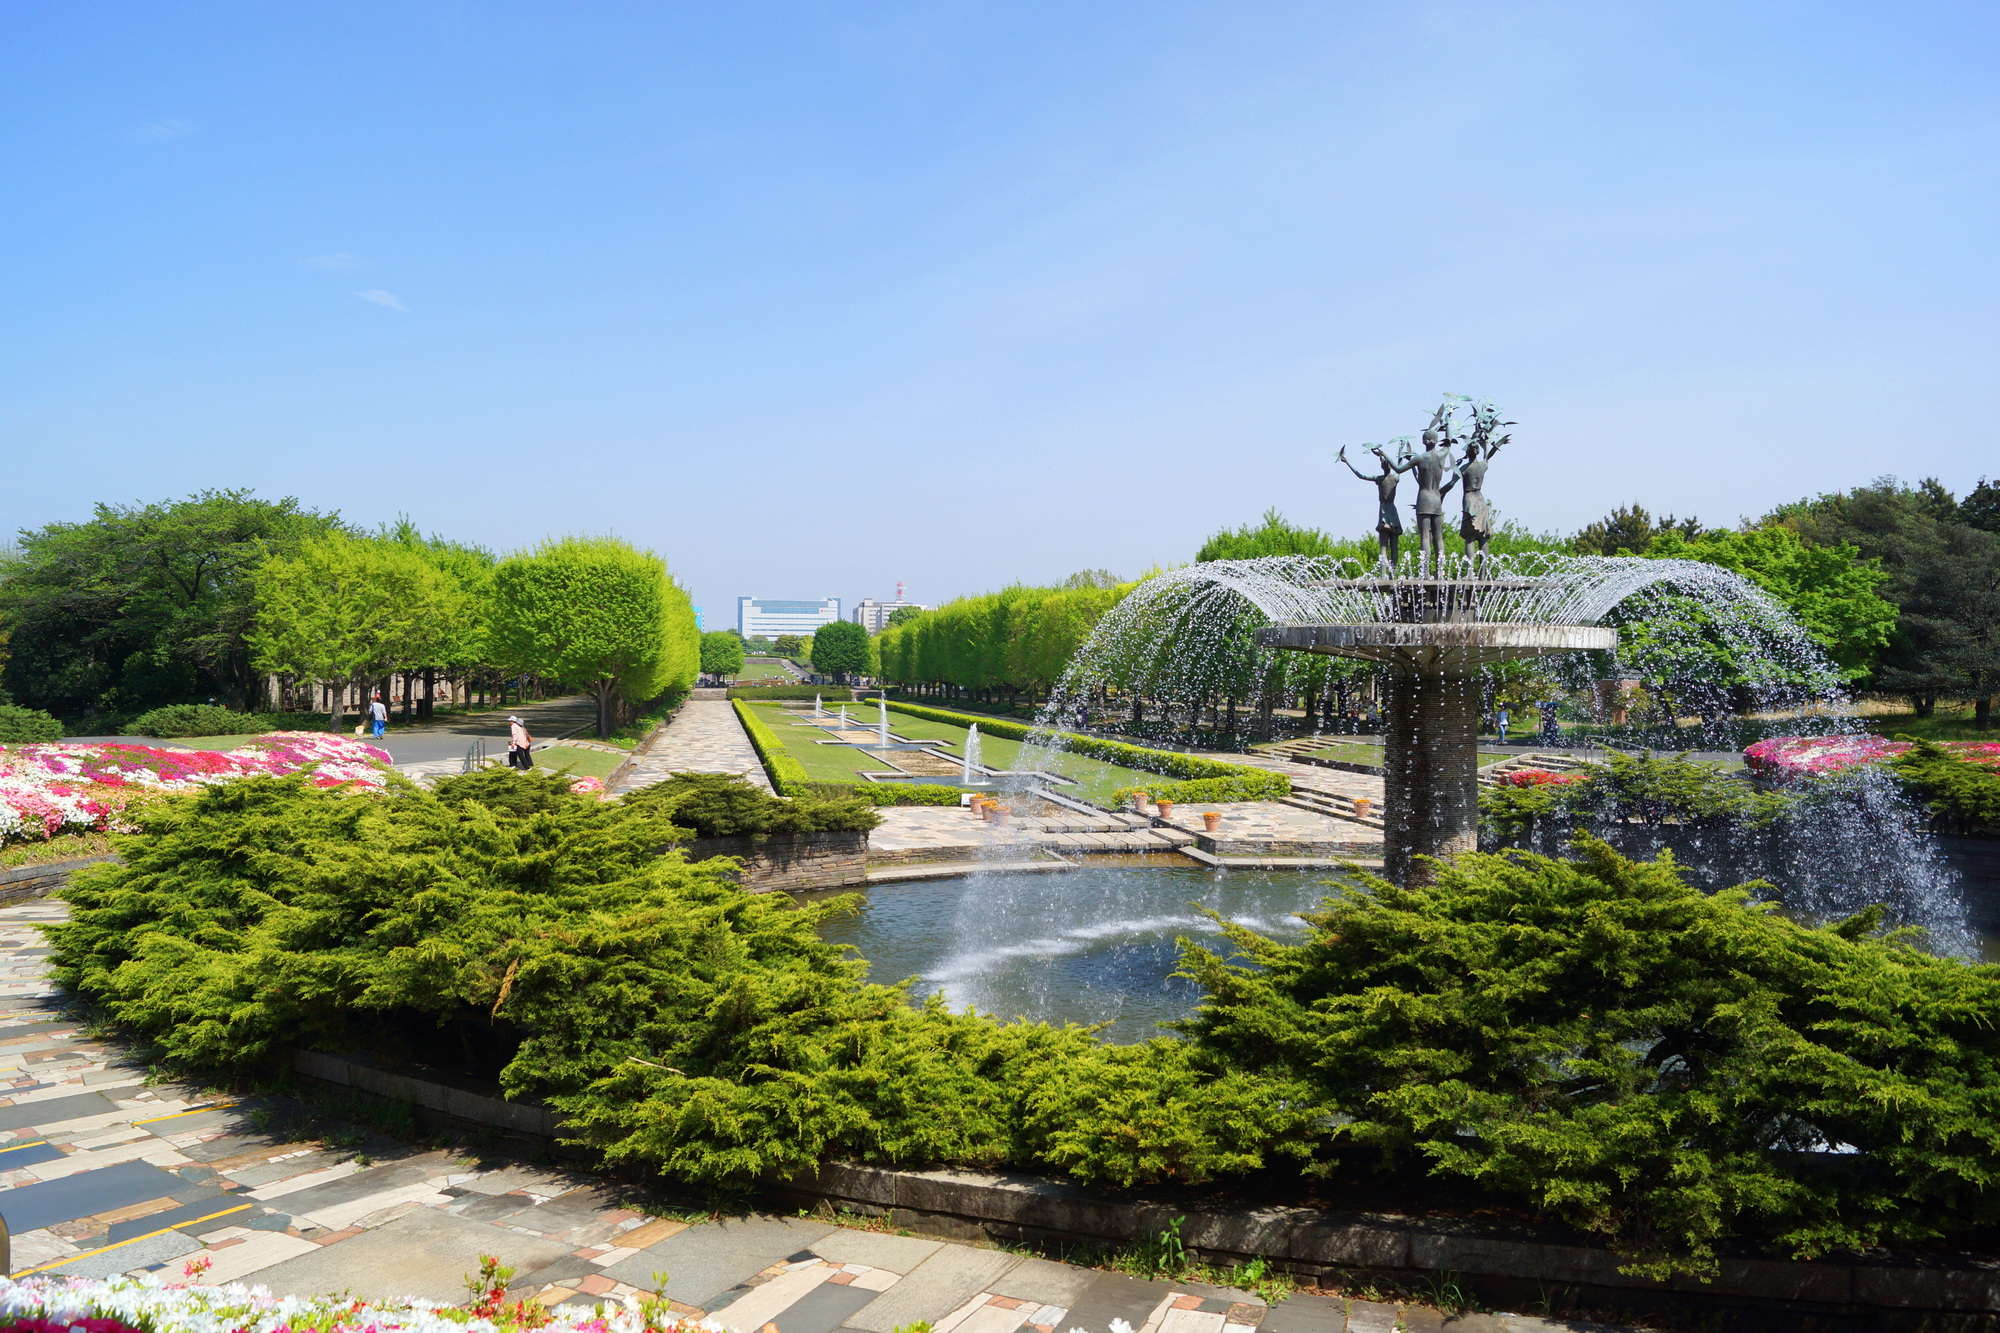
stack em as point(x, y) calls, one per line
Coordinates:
point(144, 606)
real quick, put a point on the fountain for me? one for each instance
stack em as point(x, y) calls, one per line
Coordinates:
point(882, 721)
point(818, 709)
point(974, 772)
point(1433, 625)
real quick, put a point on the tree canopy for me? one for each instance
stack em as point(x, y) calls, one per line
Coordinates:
point(342, 607)
point(721, 653)
point(840, 649)
point(141, 605)
point(598, 613)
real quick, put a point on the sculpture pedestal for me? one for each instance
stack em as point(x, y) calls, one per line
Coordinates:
point(1430, 773)
point(1430, 712)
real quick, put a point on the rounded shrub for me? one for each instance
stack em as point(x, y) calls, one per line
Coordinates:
point(21, 725)
point(202, 720)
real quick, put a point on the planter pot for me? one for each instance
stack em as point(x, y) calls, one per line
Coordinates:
point(1166, 809)
point(1139, 803)
point(1211, 820)
point(1361, 804)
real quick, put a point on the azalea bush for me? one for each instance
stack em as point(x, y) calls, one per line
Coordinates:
point(1540, 777)
point(127, 1305)
point(49, 789)
point(1805, 756)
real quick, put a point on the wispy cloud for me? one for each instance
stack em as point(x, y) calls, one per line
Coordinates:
point(380, 297)
point(333, 263)
point(162, 130)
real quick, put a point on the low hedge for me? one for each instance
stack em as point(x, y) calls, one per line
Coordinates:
point(835, 693)
point(1216, 791)
point(175, 720)
point(892, 793)
point(22, 726)
point(722, 805)
point(1257, 784)
point(788, 775)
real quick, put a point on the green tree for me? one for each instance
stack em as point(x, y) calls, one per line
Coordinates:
point(789, 645)
point(343, 608)
point(840, 649)
point(1831, 589)
point(1631, 531)
point(721, 653)
point(903, 615)
point(596, 612)
point(1943, 576)
point(1273, 536)
point(144, 604)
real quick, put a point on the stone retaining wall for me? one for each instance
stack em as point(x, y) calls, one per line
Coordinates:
point(25, 882)
point(787, 862)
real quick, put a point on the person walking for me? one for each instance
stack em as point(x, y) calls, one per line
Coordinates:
point(1500, 720)
point(518, 743)
point(378, 713)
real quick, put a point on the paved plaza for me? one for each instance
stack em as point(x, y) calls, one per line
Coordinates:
point(102, 1172)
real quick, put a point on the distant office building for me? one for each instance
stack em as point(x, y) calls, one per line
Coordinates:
point(873, 615)
point(770, 616)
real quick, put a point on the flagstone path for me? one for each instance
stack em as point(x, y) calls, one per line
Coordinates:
point(705, 737)
point(102, 1172)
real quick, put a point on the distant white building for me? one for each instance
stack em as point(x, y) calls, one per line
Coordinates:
point(873, 615)
point(771, 616)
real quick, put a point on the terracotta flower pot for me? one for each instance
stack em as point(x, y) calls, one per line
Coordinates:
point(1166, 809)
point(1211, 820)
point(1139, 803)
point(1361, 804)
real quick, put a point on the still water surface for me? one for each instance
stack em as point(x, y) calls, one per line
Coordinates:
point(1092, 945)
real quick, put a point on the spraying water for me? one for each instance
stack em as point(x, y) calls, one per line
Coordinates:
point(882, 722)
point(973, 771)
point(1704, 639)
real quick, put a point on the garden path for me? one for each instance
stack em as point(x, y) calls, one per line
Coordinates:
point(704, 737)
point(105, 1172)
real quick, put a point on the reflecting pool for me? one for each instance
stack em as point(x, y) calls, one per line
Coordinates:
point(1090, 945)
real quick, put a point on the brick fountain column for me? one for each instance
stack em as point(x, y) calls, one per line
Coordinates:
point(1431, 710)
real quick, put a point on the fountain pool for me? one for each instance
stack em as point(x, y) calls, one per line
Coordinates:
point(1089, 945)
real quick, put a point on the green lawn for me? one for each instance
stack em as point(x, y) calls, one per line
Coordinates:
point(769, 669)
point(1948, 724)
point(583, 763)
point(824, 763)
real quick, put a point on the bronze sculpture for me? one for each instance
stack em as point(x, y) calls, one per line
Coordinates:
point(1476, 522)
point(1432, 487)
point(1388, 523)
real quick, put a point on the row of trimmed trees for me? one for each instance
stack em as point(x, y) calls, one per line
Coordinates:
point(590, 613)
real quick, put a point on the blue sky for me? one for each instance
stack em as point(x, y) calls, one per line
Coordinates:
point(813, 298)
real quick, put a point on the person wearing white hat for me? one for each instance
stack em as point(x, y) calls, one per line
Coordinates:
point(518, 741)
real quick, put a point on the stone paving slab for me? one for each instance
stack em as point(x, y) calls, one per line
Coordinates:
point(705, 736)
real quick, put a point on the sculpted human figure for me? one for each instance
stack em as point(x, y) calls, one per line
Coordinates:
point(1476, 522)
point(1388, 523)
point(1432, 487)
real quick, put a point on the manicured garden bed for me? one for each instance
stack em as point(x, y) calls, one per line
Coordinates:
point(1586, 1036)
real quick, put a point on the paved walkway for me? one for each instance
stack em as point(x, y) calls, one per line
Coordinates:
point(704, 737)
point(102, 1173)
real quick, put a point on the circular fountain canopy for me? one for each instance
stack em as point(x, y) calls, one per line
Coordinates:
point(1438, 645)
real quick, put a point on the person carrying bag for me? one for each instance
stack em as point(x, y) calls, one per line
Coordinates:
point(518, 741)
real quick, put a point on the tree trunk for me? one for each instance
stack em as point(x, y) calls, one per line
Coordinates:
point(430, 692)
point(1925, 704)
point(607, 696)
point(1982, 712)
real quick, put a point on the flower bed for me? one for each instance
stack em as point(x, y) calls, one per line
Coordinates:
point(52, 788)
point(1795, 756)
point(1540, 777)
point(125, 1305)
